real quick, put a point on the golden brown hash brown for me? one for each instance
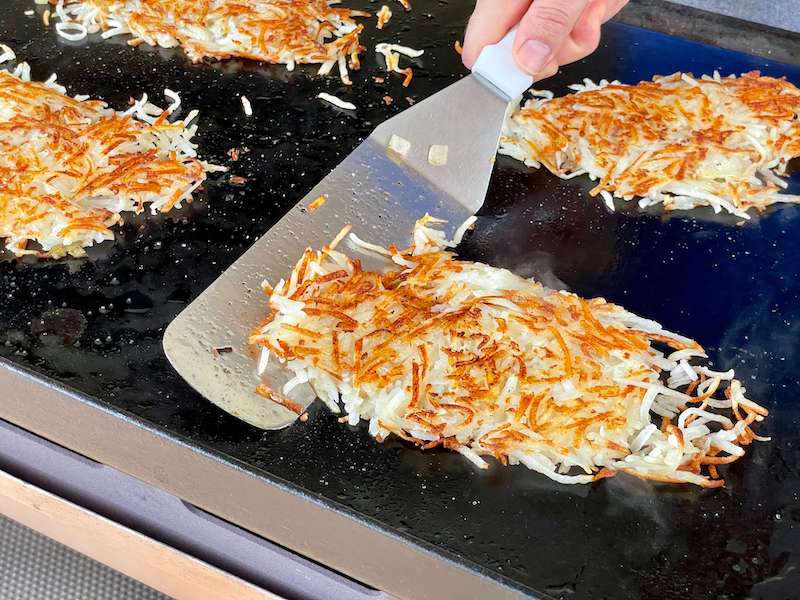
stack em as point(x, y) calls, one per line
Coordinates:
point(715, 141)
point(444, 352)
point(277, 31)
point(68, 168)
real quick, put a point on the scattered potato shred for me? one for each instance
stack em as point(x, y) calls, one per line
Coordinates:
point(384, 15)
point(336, 101)
point(399, 145)
point(246, 106)
point(317, 203)
point(437, 155)
point(392, 52)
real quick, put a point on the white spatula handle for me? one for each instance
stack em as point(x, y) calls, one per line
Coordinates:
point(496, 65)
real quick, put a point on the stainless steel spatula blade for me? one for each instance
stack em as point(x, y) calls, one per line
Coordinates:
point(378, 191)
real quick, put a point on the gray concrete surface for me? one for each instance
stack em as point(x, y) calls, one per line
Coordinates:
point(33, 567)
point(784, 14)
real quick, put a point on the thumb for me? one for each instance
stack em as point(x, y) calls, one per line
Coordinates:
point(543, 30)
point(489, 23)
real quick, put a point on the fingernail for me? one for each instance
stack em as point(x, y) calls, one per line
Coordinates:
point(534, 55)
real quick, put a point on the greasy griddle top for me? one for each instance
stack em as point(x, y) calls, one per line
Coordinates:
point(96, 324)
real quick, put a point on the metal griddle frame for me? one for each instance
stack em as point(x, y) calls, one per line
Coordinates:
point(169, 520)
point(280, 514)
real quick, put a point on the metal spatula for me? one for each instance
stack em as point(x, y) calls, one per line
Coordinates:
point(377, 190)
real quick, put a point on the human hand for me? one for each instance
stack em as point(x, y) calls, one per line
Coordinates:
point(551, 32)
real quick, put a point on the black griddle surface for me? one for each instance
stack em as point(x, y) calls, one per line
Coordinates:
point(96, 324)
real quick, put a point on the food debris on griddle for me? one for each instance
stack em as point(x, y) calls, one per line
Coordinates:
point(246, 106)
point(437, 155)
point(392, 53)
point(444, 352)
point(384, 14)
point(236, 153)
point(336, 101)
point(317, 203)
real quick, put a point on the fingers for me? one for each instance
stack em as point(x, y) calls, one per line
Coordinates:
point(551, 32)
point(550, 69)
point(543, 31)
point(585, 36)
point(491, 20)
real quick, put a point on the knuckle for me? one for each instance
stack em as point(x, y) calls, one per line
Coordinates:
point(550, 18)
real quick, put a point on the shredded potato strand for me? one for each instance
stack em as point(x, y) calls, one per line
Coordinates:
point(69, 167)
point(443, 352)
point(384, 15)
point(391, 54)
point(285, 32)
point(723, 142)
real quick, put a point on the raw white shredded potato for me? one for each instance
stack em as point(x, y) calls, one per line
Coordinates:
point(22, 71)
point(7, 54)
point(399, 145)
point(176, 100)
point(73, 32)
point(391, 53)
point(336, 101)
point(443, 352)
point(437, 155)
point(263, 361)
point(385, 49)
point(248, 108)
point(463, 229)
point(721, 142)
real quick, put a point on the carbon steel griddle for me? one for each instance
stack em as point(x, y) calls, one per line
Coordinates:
point(95, 325)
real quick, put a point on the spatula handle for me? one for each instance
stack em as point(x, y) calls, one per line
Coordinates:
point(496, 65)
